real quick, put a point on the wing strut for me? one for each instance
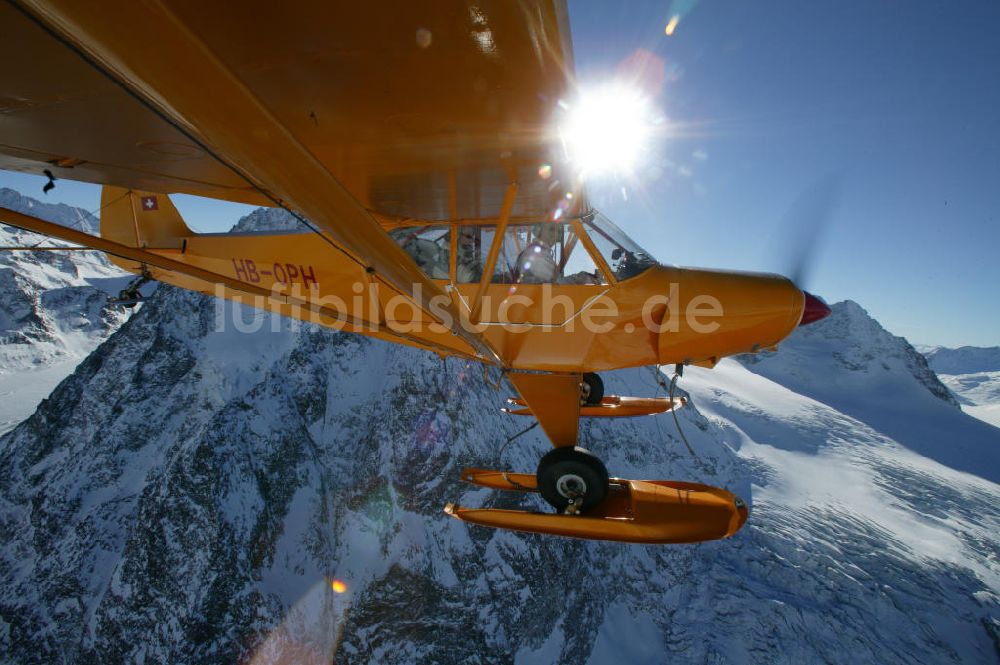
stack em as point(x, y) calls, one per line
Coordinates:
point(494, 253)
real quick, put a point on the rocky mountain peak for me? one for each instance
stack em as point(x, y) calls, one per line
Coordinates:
point(851, 340)
point(269, 219)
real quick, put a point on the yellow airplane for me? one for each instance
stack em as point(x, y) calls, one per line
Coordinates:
point(439, 209)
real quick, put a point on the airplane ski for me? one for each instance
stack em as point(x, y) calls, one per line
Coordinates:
point(635, 511)
point(613, 406)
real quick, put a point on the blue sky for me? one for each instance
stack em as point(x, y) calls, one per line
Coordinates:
point(900, 102)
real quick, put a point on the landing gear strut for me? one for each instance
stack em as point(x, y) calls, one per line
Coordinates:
point(130, 296)
point(572, 479)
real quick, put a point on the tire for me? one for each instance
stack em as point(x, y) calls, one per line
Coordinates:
point(595, 383)
point(564, 469)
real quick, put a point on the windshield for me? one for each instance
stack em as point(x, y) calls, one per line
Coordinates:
point(538, 253)
point(624, 257)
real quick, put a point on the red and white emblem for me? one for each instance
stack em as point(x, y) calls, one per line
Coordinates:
point(149, 203)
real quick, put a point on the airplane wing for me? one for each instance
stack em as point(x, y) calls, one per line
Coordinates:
point(333, 110)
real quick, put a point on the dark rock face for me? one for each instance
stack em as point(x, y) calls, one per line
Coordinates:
point(191, 493)
point(269, 219)
point(190, 486)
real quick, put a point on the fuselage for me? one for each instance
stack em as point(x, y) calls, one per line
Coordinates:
point(662, 315)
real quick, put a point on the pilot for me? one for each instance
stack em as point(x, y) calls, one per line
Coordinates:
point(429, 256)
point(629, 265)
point(469, 266)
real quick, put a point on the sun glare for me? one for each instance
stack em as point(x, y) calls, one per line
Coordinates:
point(607, 130)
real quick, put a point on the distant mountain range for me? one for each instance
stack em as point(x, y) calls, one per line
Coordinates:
point(60, 213)
point(973, 374)
point(964, 359)
point(192, 490)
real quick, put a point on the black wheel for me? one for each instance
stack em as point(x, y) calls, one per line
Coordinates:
point(564, 473)
point(592, 389)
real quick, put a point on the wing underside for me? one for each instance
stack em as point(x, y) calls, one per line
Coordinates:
point(425, 111)
point(332, 110)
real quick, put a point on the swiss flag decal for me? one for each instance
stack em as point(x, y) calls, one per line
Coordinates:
point(149, 203)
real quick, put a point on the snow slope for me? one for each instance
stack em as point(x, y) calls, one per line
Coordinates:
point(887, 527)
point(53, 307)
point(979, 394)
point(973, 374)
point(852, 364)
point(191, 492)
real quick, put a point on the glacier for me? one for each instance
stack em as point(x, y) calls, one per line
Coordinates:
point(973, 375)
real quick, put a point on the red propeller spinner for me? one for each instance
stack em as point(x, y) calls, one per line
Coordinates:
point(814, 310)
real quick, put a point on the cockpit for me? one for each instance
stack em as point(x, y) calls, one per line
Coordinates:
point(588, 250)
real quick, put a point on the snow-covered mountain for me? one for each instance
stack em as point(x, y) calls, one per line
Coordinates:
point(60, 213)
point(973, 374)
point(852, 364)
point(53, 307)
point(192, 491)
point(268, 219)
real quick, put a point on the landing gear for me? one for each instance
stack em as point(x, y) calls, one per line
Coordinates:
point(572, 480)
point(592, 389)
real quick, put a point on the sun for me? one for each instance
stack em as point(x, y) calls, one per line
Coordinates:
point(608, 130)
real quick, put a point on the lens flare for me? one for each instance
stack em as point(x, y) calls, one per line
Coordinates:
point(607, 130)
point(310, 632)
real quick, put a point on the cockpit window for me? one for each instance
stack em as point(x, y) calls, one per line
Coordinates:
point(625, 258)
point(542, 253)
point(428, 246)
